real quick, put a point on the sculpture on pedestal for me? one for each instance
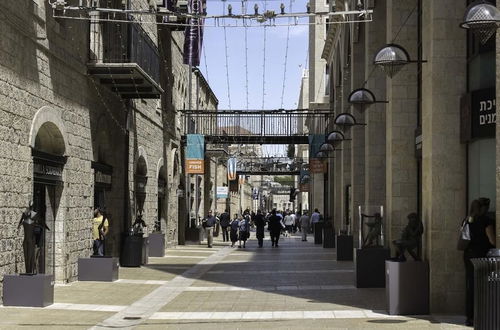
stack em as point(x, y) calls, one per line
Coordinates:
point(33, 226)
point(410, 240)
point(374, 224)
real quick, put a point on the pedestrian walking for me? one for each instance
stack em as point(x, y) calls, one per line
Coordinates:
point(482, 234)
point(225, 219)
point(234, 225)
point(305, 223)
point(289, 220)
point(244, 230)
point(315, 217)
point(260, 223)
point(209, 223)
point(275, 227)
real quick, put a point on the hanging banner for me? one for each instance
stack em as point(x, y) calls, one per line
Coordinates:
point(195, 155)
point(316, 165)
point(315, 142)
point(231, 169)
point(305, 180)
point(193, 34)
point(222, 192)
point(242, 179)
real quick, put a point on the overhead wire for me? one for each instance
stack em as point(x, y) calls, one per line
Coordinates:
point(264, 63)
point(246, 59)
point(227, 61)
point(286, 60)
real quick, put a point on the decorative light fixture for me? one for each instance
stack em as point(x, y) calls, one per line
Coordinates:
point(321, 154)
point(345, 120)
point(326, 147)
point(391, 59)
point(335, 137)
point(483, 19)
point(363, 96)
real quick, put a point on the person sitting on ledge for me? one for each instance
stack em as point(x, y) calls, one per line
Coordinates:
point(410, 239)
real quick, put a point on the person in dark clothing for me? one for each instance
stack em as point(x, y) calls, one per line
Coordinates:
point(275, 227)
point(235, 225)
point(260, 223)
point(225, 219)
point(482, 234)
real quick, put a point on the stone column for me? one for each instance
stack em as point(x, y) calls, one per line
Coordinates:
point(401, 163)
point(375, 115)
point(444, 158)
point(358, 132)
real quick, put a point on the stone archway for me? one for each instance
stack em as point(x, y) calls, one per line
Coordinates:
point(48, 141)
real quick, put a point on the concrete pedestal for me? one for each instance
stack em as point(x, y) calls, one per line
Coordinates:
point(98, 269)
point(156, 245)
point(407, 287)
point(145, 250)
point(131, 255)
point(28, 290)
point(345, 248)
point(370, 267)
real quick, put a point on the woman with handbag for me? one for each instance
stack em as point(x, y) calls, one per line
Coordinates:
point(234, 225)
point(482, 239)
point(244, 231)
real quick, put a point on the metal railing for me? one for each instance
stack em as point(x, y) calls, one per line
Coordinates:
point(116, 42)
point(254, 123)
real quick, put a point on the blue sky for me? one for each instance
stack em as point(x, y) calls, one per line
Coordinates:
point(276, 37)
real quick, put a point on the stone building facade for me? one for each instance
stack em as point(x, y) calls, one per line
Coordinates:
point(412, 155)
point(72, 139)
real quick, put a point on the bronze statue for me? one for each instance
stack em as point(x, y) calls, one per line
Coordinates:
point(374, 230)
point(33, 226)
point(410, 239)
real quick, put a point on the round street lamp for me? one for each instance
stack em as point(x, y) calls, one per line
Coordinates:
point(483, 19)
point(321, 154)
point(326, 147)
point(345, 120)
point(391, 59)
point(363, 97)
point(335, 137)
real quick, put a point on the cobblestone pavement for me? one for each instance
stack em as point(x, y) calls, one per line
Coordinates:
point(298, 285)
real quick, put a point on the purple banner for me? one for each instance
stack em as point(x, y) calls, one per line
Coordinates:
point(193, 35)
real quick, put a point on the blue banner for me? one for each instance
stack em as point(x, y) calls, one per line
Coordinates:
point(195, 146)
point(315, 142)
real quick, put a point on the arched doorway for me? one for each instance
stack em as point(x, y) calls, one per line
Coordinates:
point(48, 151)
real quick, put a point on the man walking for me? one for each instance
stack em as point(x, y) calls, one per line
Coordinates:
point(315, 217)
point(209, 224)
point(304, 223)
point(260, 223)
point(275, 227)
point(225, 219)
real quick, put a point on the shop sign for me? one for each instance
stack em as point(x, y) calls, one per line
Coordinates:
point(195, 166)
point(304, 187)
point(222, 192)
point(285, 190)
point(317, 166)
point(103, 174)
point(483, 113)
point(47, 168)
point(53, 172)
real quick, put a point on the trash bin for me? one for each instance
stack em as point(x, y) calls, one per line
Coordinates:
point(318, 232)
point(487, 291)
point(131, 255)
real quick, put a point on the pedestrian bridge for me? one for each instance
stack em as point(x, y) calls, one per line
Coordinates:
point(257, 127)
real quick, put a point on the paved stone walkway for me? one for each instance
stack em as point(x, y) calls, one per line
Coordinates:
point(296, 286)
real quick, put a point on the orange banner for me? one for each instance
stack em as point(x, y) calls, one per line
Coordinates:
point(195, 166)
point(304, 187)
point(317, 166)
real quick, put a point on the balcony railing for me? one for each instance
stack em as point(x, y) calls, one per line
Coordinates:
point(123, 57)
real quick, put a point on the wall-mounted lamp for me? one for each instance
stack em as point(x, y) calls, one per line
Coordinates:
point(483, 19)
point(346, 121)
point(363, 97)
